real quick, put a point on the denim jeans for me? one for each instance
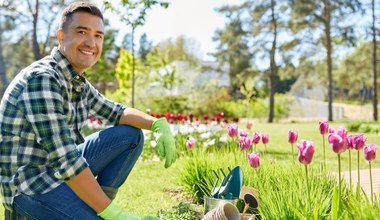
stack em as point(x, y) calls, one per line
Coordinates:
point(111, 155)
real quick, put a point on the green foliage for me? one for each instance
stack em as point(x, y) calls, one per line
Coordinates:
point(209, 101)
point(174, 104)
point(257, 108)
point(183, 211)
point(354, 126)
point(197, 179)
point(363, 127)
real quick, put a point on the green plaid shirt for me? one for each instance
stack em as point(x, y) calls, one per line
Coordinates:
point(41, 116)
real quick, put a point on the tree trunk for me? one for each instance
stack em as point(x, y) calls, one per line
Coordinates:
point(3, 73)
point(273, 68)
point(374, 45)
point(36, 48)
point(328, 46)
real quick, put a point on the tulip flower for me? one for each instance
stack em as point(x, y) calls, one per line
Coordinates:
point(233, 130)
point(305, 152)
point(339, 144)
point(190, 142)
point(245, 143)
point(265, 140)
point(254, 159)
point(323, 127)
point(256, 138)
point(243, 133)
point(292, 138)
point(305, 156)
point(370, 154)
point(323, 130)
point(356, 142)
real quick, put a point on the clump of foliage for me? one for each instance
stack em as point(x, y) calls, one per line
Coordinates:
point(362, 127)
point(183, 211)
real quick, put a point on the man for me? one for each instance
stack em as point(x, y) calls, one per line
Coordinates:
point(47, 169)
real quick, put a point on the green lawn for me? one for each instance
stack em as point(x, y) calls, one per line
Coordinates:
point(149, 187)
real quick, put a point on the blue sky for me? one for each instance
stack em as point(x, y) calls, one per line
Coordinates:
point(194, 19)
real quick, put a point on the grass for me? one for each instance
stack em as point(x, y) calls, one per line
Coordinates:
point(147, 190)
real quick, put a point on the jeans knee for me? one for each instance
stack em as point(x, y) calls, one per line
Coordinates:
point(129, 132)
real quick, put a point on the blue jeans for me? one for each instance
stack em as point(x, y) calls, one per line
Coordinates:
point(111, 155)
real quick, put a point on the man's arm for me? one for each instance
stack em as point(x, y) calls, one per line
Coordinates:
point(137, 119)
point(88, 190)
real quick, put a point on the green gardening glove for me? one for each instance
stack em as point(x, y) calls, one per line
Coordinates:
point(165, 141)
point(112, 212)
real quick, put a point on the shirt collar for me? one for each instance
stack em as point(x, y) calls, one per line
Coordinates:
point(67, 69)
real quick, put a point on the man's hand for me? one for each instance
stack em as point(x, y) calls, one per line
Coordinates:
point(112, 212)
point(165, 141)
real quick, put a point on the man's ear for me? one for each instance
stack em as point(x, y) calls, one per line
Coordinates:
point(59, 34)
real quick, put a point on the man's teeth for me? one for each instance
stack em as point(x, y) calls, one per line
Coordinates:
point(88, 52)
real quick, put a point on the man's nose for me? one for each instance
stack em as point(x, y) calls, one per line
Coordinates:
point(90, 41)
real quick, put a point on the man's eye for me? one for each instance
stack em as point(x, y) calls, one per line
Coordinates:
point(99, 36)
point(81, 32)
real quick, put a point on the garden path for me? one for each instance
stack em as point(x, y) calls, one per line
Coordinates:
point(365, 180)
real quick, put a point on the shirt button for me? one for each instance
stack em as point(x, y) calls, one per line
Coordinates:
point(76, 77)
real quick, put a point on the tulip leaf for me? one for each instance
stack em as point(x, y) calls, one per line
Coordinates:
point(334, 205)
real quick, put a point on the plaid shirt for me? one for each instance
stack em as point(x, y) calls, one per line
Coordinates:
point(41, 116)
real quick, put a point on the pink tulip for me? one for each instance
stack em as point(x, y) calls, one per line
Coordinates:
point(190, 142)
point(245, 143)
point(265, 138)
point(254, 159)
point(256, 138)
point(370, 152)
point(292, 136)
point(233, 130)
point(323, 127)
point(243, 133)
point(357, 141)
point(331, 130)
point(305, 152)
point(337, 143)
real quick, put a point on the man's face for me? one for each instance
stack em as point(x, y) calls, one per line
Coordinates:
point(82, 42)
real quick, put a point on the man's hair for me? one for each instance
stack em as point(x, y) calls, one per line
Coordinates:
point(78, 7)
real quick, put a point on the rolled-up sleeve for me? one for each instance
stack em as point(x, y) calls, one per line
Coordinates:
point(42, 104)
point(101, 106)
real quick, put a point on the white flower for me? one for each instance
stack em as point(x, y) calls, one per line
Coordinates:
point(153, 143)
point(209, 143)
point(205, 135)
point(223, 138)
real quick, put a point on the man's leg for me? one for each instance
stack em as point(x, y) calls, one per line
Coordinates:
point(111, 155)
point(60, 203)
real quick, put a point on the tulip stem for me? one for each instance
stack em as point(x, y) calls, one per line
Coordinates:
point(370, 178)
point(307, 186)
point(324, 153)
point(293, 153)
point(349, 166)
point(339, 183)
point(358, 168)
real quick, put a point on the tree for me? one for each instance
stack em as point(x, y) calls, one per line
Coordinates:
point(133, 13)
point(233, 46)
point(6, 24)
point(145, 47)
point(329, 21)
point(374, 61)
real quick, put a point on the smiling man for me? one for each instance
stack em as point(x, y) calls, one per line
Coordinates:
point(47, 169)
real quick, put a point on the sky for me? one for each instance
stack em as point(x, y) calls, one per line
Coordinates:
point(197, 20)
